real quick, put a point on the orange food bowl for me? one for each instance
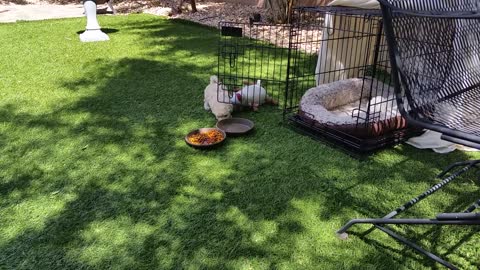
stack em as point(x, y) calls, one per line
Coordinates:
point(205, 137)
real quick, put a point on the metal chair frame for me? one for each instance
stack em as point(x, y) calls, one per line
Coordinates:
point(461, 127)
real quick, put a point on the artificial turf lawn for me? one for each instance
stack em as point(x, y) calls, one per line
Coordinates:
point(95, 173)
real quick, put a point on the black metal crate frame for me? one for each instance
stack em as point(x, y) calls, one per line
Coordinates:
point(284, 58)
point(367, 25)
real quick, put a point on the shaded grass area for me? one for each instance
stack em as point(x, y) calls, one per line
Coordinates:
point(94, 173)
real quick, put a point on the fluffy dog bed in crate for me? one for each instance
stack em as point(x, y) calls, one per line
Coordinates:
point(344, 105)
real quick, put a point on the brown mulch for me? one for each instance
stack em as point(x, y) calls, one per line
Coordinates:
point(16, 2)
point(211, 13)
point(208, 12)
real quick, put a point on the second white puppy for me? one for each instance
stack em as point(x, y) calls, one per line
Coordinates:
point(251, 95)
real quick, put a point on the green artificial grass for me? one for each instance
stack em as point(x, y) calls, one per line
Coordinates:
point(94, 172)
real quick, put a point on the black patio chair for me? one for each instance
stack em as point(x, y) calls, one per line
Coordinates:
point(435, 54)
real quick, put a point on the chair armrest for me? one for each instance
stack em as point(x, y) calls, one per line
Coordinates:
point(460, 141)
point(458, 216)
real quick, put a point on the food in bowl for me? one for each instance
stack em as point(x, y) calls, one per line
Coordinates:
point(206, 137)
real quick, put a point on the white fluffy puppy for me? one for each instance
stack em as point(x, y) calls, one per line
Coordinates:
point(251, 95)
point(212, 94)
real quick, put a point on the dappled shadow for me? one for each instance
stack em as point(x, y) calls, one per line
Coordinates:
point(116, 186)
point(105, 30)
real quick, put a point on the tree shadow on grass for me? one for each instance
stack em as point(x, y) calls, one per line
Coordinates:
point(134, 196)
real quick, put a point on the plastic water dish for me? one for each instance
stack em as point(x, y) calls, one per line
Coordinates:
point(235, 126)
point(205, 144)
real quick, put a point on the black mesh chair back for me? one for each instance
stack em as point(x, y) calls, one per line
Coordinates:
point(434, 48)
point(435, 54)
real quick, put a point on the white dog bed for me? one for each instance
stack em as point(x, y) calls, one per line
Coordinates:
point(338, 106)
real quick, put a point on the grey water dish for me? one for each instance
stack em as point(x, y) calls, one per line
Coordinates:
point(235, 126)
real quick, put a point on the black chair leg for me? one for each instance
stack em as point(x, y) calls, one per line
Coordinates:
point(465, 218)
point(458, 164)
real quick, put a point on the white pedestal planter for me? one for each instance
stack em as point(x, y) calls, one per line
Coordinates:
point(93, 30)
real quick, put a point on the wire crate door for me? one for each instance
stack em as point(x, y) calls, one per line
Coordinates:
point(252, 59)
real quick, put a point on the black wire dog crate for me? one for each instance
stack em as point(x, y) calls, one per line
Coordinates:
point(328, 68)
point(339, 85)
